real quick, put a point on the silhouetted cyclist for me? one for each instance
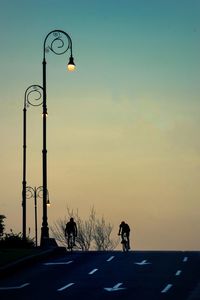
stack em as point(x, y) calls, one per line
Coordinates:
point(124, 230)
point(71, 228)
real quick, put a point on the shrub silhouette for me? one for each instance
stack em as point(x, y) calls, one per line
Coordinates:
point(11, 240)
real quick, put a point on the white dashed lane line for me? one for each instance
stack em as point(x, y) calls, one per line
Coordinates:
point(65, 287)
point(110, 258)
point(14, 287)
point(58, 263)
point(178, 272)
point(167, 288)
point(93, 271)
point(185, 259)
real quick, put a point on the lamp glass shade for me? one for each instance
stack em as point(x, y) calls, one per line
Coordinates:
point(71, 64)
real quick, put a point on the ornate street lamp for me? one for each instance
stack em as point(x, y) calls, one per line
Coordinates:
point(58, 42)
point(32, 97)
point(36, 192)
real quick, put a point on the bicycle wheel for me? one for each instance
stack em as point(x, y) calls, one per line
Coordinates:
point(125, 247)
point(70, 243)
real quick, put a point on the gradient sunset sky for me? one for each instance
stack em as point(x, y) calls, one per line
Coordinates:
point(123, 129)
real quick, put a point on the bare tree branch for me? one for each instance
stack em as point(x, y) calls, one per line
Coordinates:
point(92, 233)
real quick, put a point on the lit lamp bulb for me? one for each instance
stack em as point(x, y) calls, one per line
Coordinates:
point(48, 203)
point(71, 64)
point(46, 114)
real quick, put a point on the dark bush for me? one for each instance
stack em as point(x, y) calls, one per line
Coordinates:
point(11, 240)
point(2, 226)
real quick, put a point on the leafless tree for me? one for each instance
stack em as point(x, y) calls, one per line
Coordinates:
point(92, 232)
point(58, 231)
point(84, 228)
point(102, 235)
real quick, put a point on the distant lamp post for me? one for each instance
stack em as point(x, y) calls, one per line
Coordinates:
point(58, 42)
point(32, 97)
point(36, 192)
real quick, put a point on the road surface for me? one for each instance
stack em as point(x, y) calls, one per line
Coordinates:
point(136, 275)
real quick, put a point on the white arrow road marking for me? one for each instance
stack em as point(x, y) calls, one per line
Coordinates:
point(93, 271)
point(166, 289)
point(110, 258)
point(58, 263)
point(142, 263)
point(115, 288)
point(14, 287)
point(65, 287)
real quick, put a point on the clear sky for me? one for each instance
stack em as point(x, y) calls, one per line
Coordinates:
point(123, 129)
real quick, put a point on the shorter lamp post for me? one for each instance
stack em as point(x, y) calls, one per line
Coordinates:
point(36, 192)
point(32, 97)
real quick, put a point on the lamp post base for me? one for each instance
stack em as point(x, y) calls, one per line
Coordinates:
point(48, 243)
point(44, 235)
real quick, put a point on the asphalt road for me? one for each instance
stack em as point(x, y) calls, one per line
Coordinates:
point(116, 275)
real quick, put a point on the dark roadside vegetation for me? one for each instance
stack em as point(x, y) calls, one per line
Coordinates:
point(10, 255)
point(13, 247)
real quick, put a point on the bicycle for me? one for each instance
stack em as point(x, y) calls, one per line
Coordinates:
point(70, 242)
point(124, 242)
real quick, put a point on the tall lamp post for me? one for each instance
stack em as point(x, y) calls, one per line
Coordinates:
point(32, 97)
point(36, 192)
point(58, 42)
